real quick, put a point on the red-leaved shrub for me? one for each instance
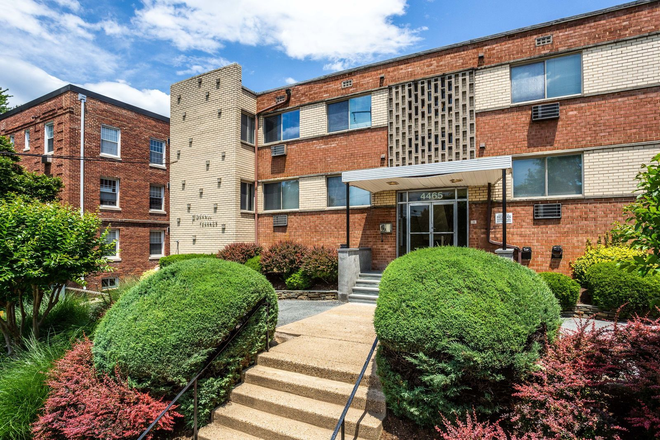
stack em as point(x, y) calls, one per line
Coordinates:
point(472, 429)
point(84, 404)
point(239, 252)
point(321, 263)
point(595, 383)
point(284, 258)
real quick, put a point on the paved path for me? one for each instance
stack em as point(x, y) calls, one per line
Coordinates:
point(292, 310)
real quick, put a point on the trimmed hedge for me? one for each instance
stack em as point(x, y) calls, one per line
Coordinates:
point(239, 252)
point(601, 254)
point(171, 259)
point(161, 332)
point(565, 289)
point(458, 327)
point(611, 287)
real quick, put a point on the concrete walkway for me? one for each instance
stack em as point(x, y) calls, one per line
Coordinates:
point(292, 310)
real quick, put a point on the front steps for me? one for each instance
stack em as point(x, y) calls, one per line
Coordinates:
point(298, 391)
point(366, 288)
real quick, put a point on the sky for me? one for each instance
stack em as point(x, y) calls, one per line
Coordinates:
point(134, 50)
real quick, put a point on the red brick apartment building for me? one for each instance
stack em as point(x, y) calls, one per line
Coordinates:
point(126, 174)
point(569, 110)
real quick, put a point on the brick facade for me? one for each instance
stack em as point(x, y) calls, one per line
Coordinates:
point(133, 219)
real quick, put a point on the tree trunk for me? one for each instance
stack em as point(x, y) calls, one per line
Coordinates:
point(36, 305)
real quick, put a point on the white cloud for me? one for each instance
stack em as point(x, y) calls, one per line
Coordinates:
point(70, 4)
point(27, 82)
point(341, 31)
point(290, 80)
point(193, 65)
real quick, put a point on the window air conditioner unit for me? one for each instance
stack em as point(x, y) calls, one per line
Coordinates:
point(547, 211)
point(278, 150)
point(545, 111)
point(280, 220)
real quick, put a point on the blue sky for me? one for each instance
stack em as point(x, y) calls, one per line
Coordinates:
point(134, 50)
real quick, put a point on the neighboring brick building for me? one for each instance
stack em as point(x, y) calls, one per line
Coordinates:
point(441, 119)
point(125, 171)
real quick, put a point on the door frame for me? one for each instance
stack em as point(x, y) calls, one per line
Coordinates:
point(431, 231)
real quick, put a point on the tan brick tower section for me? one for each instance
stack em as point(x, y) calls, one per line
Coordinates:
point(209, 161)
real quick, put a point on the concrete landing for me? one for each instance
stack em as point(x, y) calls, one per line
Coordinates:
point(299, 388)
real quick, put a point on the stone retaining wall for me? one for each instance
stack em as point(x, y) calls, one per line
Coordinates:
point(313, 295)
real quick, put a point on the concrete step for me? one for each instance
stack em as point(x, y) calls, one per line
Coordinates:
point(365, 299)
point(370, 275)
point(326, 390)
point(265, 425)
point(367, 283)
point(366, 424)
point(360, 289)
point(218, 432)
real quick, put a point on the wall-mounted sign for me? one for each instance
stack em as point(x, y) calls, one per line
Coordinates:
point(498, 218)
point(204, 221)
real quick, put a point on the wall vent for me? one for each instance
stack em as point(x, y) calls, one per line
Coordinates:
point(278, 150)
point(547, 210)
point(545, 111)
point(280, 99)
point(542, 41)
point(280, 220)
point(346, 84)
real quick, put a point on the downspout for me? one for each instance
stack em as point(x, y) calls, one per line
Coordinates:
point(82, 98)
point(256, 161)
point(488, 220)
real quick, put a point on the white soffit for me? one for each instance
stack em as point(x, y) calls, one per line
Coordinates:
point(473, 172)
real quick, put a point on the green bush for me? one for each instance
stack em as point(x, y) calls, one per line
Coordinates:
point(166, 261)
point(161, 332)
point(600, 254)
point(611, 287)
point(321, 263)
point(284, 258)
point(458, 327)
point(254, 263)
point(565, 289)
point(299, 281)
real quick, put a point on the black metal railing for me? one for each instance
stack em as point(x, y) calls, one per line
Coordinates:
point(193, 382)
point(341, 422)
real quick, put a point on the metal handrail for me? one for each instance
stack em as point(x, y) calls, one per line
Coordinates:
point(193, 382)
point(341, 422)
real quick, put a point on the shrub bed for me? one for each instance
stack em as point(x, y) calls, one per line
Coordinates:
point(600, 254)
point(611, 287)
point(171, 259)
point(321, 263)
point(565, 289)
point(458, 327)
point(254, 263)
point(239, 252)
point(284, 258)
point(162, 331)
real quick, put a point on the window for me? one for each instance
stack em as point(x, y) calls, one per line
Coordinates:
point(49, 147)
point(11, 139)
point(113, 236)
point(156, 152)
point(547, 176)
point(110, 192)
point(247, 128)
point(551, 78)
point(156, 241)
point(109, 283)
point(27, 140)
point(353, 113)
point(110, 141)
point(247, 196)
point(283, 127)
point(281, 195)
point(156, 198)
point(337, 194)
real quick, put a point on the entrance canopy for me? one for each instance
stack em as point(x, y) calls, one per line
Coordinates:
point(473, 172)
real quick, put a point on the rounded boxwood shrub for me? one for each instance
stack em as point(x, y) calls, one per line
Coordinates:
point(600, 254)
point(171, 259)
point(565, 289)
point(611, 287)
point(162, 331)
point(458, 327)
point(298, 281)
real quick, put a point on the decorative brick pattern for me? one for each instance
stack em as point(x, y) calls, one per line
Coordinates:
point(432, 120)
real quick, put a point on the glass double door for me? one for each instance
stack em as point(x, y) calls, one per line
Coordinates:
point(432, 224)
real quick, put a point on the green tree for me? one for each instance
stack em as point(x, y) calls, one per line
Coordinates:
point(42, 247)
point(642, 227)
point(4, 101)
point(14, 179)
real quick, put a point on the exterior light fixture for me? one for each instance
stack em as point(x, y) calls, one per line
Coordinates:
point(392, 182)
point(456, 180)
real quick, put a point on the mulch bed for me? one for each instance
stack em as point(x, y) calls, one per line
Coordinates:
point(395, 428)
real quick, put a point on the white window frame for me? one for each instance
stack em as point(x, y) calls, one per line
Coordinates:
point(162, 244)
point(49, 124)
point(115, 282)
point(118, 142)
point(116, 256)
point(158, 165)
point(26, 146)
point(110, 207)
point(162, 198)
